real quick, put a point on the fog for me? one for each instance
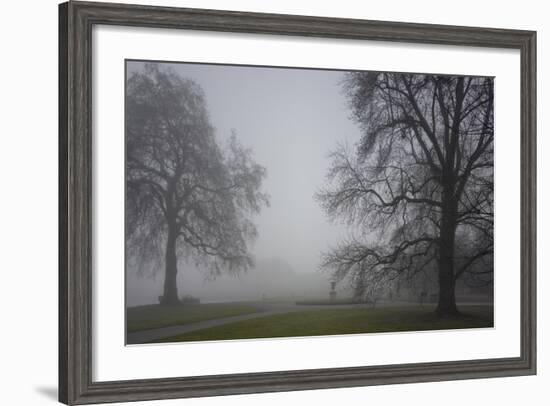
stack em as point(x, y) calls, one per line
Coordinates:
point(291, 119)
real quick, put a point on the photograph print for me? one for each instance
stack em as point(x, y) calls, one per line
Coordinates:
point(269, 202)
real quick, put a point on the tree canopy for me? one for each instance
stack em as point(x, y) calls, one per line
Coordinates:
point(187, 196)
point(418, 185)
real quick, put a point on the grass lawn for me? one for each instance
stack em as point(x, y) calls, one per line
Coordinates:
point(154, 316)
point(343, 321)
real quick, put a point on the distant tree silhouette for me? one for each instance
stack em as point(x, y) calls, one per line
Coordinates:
point(186, 196)
point(419, 182)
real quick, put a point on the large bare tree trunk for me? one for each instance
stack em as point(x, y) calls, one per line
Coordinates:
point(170, 296)
point(447, 301)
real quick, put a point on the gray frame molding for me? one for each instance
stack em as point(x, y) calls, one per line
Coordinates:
point(76, 20)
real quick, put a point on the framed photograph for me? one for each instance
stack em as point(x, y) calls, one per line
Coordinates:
point(256, 202)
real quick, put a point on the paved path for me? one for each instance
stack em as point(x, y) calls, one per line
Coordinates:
point(264, 310)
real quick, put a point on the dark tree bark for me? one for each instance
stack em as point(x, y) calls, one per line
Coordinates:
point(446, 271)
point(170, 296)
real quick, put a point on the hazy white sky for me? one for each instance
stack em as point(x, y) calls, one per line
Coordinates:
point(291, 119)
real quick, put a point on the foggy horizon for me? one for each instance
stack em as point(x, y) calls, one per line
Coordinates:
point(276, 202)
point(291, 119)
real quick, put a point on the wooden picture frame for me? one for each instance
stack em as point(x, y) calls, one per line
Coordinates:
point(76, 20)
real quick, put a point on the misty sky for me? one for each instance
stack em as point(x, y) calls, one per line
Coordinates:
point(291, 119)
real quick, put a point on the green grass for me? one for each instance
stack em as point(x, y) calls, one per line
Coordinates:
point(343, 321)
point(155, 316)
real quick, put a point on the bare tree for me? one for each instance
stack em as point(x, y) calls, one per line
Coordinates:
point(419, 182)
point(185, 195)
